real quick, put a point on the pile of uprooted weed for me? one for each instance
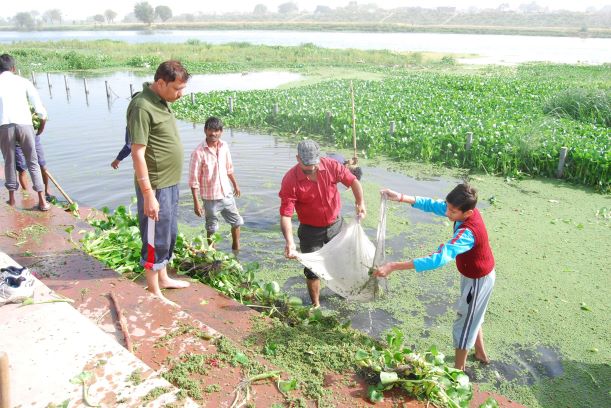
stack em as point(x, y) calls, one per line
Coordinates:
point(323, 343)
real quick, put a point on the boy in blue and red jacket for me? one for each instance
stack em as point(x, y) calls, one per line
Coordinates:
point(474, 259)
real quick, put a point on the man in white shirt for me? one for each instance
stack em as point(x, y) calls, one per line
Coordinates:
point(16, 127)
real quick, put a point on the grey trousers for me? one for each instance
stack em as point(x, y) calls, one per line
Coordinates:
point(10, 135)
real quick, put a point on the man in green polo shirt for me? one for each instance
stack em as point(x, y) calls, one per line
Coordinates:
point(157, 154)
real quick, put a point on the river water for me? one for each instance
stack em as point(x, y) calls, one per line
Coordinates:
point(490, 49)
point(85, 132)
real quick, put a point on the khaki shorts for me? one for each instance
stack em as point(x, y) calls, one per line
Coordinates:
point(228, 209)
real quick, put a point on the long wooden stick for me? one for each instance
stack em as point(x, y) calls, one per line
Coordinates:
point(5, 383)
point(61, 190)
point(122, 323)
point(353, 122)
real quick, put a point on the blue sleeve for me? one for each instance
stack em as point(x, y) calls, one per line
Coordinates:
point(438, 207)
point(461, 242)
point(127, 147)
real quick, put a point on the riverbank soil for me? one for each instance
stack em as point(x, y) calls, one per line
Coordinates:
point(196, 346)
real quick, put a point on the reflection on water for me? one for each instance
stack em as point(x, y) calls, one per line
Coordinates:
point(492, 49)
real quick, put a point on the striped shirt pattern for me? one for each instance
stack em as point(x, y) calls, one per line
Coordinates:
point(209, 171)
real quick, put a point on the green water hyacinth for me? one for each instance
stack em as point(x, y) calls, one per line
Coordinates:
point(423, 376)
point(433, 113)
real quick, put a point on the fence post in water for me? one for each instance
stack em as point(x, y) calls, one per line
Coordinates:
point(469, 141)
point(107, 89)
point(131, 90)
point(85, 83)
point(192, 98)
point(49, 80)
point(392, 127)
point(66, 84)
point(563, 153)
point(33, 78)
point(230, 104)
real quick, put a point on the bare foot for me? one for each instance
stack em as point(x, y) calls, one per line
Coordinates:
point(168, 301)
point(11, 198)
point(174, 284)
point(482, 358)
point(164, 299)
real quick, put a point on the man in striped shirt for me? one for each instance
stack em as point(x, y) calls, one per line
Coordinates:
point(474, 260)
point(211, 177)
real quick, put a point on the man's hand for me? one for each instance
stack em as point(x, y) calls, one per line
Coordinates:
point(197, 209)
point(151, 205)
point(115, 164)
point(361, 212)
point(236, 190)
point(290, 251)
point(41, 128)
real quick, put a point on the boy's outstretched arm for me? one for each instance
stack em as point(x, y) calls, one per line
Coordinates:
point(438, 207)
point(399, 197)
point(386, 269)
point(462, 241)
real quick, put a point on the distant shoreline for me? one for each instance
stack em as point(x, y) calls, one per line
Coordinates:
point(336, 27)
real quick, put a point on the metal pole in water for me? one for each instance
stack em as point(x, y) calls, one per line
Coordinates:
point(66, 83)
point(192, 98)
point(49, 80)
point(85, 83)
point(563, 152)
point(131, 90)
point(33, 78)
point(107, 90)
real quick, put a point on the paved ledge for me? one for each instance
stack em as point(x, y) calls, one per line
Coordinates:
point(48, 344)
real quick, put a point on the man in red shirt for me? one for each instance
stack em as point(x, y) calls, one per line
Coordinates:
point(310, 189)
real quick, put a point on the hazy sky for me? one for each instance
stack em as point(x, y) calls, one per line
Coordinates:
point(82, 9)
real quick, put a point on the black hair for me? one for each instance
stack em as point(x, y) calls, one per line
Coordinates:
point(7, 62)
point(356, 170)
point(463, 197)
point(213, 123)
point(170, 71)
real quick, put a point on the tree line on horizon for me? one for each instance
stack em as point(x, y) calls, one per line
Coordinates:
point(527, 14)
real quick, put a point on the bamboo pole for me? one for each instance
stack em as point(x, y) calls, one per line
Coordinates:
point(355, 158)
point(5, 383)
point(122, 323)
point(61, 190)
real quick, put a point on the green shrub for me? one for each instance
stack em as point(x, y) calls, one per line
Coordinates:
point(75, 60)
point(585, 105)
point(144, 61)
